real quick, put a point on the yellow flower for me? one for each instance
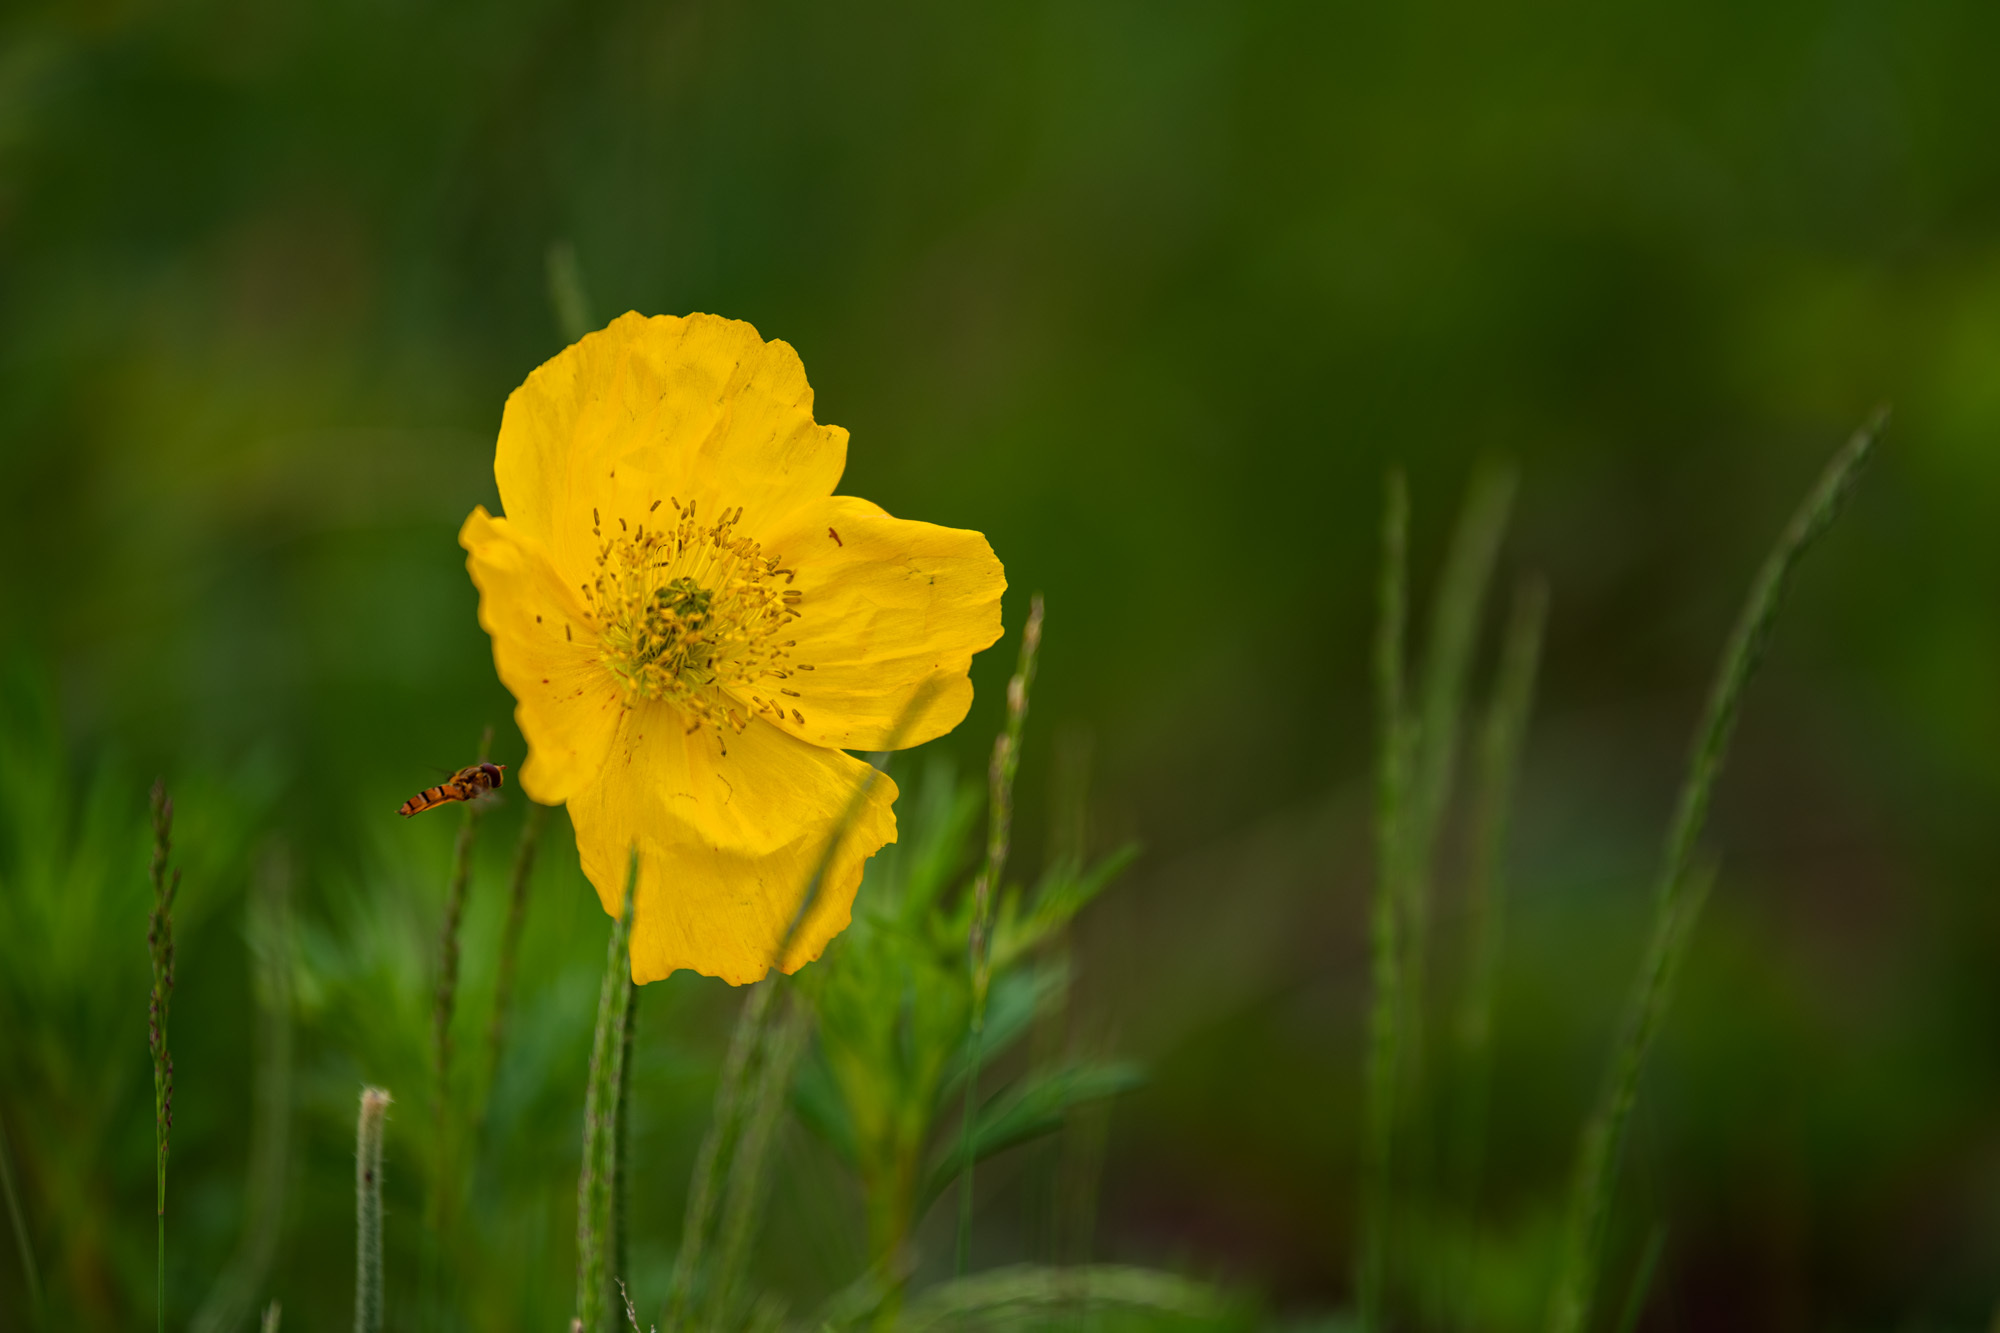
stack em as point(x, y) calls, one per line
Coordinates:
point(695, 629)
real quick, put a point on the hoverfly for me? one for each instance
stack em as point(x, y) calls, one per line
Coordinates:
point(472, 781)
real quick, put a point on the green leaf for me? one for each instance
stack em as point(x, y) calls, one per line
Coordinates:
point(1029, 1110)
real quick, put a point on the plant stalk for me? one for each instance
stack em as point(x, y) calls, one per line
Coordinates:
point(1385, 946)
point(1679, 891)
point(999, 828)
point(160, 943)
point(604, 1096)
point(368, 1210)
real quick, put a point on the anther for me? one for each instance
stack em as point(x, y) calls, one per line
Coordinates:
point(800, 666)
point(595, 521)
point(794, 693)
point(651, 507)
point(799, 717)
point(566, 635)
point(622, 527)
point(836, 537)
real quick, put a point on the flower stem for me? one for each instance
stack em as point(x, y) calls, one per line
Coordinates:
point(604, 1095)
point(440, 1208)
point(999, 826)
point(510, 940)
point(160, 943)
point(367, 1212)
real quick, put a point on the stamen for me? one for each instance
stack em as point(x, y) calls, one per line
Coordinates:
point(690, 616)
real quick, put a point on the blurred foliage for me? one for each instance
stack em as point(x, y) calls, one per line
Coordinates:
point(894, 1006)
point(1151, 295)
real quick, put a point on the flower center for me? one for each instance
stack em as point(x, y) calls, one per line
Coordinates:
point(692, 613)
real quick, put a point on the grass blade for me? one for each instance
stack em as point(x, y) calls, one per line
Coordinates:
point(1642, 1281)
point(1679, 892)
point(1030, 1294)
point(1385, 946)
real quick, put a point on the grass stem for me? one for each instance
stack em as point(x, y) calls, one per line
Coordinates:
point(999, 828)
point(596, 1205)
point(232, 1300)
point(368, 1210)
point(30, 1274)
point(1496, 764)
point(1679, 891)
point(1385, 948)
point(532, 824)
point(160, 944)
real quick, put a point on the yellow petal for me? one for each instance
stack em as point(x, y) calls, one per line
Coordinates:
point(727, 842)
point(697, 409)
point(566, 703)
point(891, 609)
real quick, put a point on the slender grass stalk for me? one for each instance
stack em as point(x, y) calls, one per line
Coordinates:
point(441, 1202)
point(999, 829)
point(1385, 945)
point(532, 824)
point(160, 943)
point(446, 1001)
point(233, 1298)
point(692, 1283)
point(689, 1292)
point(1679, 891)
point(367, 1212)
point(596, 1206)
point(621, 1172)
point(1497, 765)
point(30, 1273)
point(743, 1206)
point(1454, 631)
point(1437, 724)
point(272, 1313)
point(566, 294)
point(1642, 1280)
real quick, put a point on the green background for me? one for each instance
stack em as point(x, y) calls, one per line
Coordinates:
point(1152, 295)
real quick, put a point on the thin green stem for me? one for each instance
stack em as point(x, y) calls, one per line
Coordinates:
point(1679, 891)
point(510, 938)
point(595, 1190)
point(999, 828)
point(784, 1040)
point(1497, 766)
point(621, 1137)
point(233, 1298)
point(31, 1274)
point(1642, 1280)
point(1385, 948)
point(160, 943)
point(712, 1158)
point(368, 1210)
point(691, 1285)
